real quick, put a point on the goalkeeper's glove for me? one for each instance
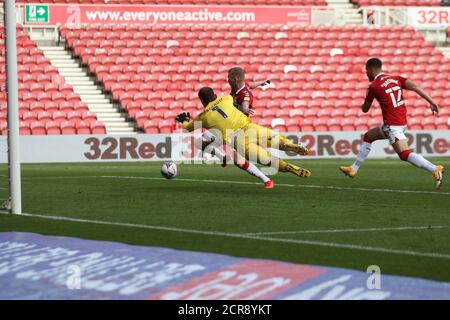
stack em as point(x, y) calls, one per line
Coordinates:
point(182, 117)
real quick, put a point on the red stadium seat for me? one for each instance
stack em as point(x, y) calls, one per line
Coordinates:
point(89, 117)
point(166, 126)
point(443, 123)
point(24, 128)
point(45, 116)
point(4, 127)
point(59, 117)
point(83, 128)
point(415, 123)
point(75, 116)
point(307, 124)
point(37, 128)
point(52, 128)
point(68, 127)
point(151, 127)
point(348, 124)
point(38, 106)
point(98, 127)
point(429, 123)
point(141, 117)
point(30, 116)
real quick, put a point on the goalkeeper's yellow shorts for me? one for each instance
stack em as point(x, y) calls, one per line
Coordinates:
point(252, 143)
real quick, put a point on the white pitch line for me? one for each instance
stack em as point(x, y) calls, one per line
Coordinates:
point(249, 237)
point(310, 186)
point(59, 178)
point(344, 230)
point(284, 185)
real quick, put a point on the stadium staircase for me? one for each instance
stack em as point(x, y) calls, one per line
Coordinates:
point(351, 12)
point(89, 92)
point(445, 51)
point(445, 47)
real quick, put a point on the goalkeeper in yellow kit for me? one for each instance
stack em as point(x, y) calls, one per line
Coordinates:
point(235, 129)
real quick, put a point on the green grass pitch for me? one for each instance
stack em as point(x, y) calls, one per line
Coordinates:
point(224, 210)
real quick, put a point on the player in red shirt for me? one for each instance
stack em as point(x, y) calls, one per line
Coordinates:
point(242, 99)
point(241, 91)
point(388, 91)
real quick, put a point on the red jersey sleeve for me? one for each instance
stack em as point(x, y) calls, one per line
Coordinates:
point(402, 82)
point(370, 95)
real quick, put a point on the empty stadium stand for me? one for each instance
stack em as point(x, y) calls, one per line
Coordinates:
point(155, 71)
point(47, 104)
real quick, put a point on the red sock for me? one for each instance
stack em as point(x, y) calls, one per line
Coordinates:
point(245, 165)
point(404, 155)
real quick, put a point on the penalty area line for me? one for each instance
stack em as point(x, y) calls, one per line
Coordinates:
point(247, 237)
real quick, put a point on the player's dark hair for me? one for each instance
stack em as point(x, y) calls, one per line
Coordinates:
point(374, 63)
point(206, 95)
point(237, 72)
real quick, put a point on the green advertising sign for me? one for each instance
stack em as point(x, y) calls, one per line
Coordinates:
point(36, 13)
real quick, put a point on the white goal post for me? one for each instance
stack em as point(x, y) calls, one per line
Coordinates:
point(13, 107)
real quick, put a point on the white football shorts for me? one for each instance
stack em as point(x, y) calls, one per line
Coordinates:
point(393, 133)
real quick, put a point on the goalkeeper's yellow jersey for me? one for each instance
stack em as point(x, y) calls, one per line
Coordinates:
point(221, 115)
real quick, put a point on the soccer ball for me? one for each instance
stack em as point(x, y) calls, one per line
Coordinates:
point(169, 170)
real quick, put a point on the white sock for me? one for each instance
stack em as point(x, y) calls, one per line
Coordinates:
point(420, 162)
point(254, 171)
point(218, 153)
point(364, 151)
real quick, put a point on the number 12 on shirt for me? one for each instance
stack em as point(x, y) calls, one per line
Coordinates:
point(396, 100)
